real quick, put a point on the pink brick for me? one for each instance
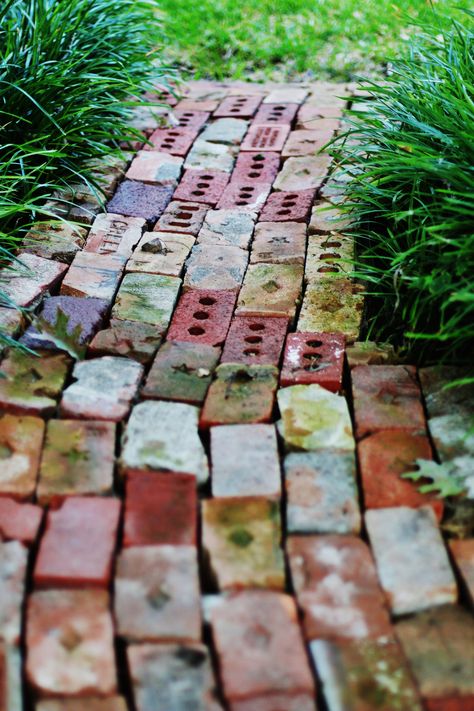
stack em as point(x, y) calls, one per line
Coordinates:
point(160, 509)
point(176, 141)
point(77, 547)
point(190, 119)
point(386, 397)
point(276, 113)
point(288, 207)
point(336, 586)
point(19, 522)
point(27, 283)
point(255, 341)
point(182, 217)
point(256, 167)
point(244, 195)
point(314, 358)
point(265, 137)
point(202, 316)
point(238, 107)
point(204, 186)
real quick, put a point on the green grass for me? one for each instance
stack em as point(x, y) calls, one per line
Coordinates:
point(411, 159)
point(289, 39)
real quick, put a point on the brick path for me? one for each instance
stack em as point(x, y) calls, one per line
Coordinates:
point(154, 558)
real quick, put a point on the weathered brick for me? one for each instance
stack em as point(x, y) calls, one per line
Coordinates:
point(231, 228)
point(438, 645)
point(13, 562)
point(202, 317)
point(386, 397)
point(156, 168)
point(306, 142)
point(113, 703)
point(309, 117)
point(94, 275)
point(411, 559)
point(157, 595)
point(290, 702)
point(54, 240)
point(225, 130)
point(193, 119)
point(260, 649)
point(11, 682)
point(147, 298)
point(164, 436)
point(131, 339)
point(303, 173)
point(85, 315)
point(32, 384)
point(160, 509)
point(441, 400)
point(463, 553)
point(314, 358)
point(326, 218)
point(270, 290)
point(134, 199)
point(329, 255)
point(313, 418)
point(103, 389)
point(181, 371)
point(241, 537)
point(186, 105)
point(256, 167)
point(333, 305)
point(244, 195)
point(383, 458)
point(285, 96)
point(204, 186)
point(336, 586)
point(288, 206)
point(32, 277)
point(205, 155)
point(173, 676)
point(182, 217)
point(279, 243)
point(265, 137)
point(365, 675)
point(69, 639)
point(255, 341)
point(78, 458)
point(176, 141)
point(77, 547)
point(370, 353)
point(453, 438)
point(278, 113)
point(114, 234)
point(245, 461)
point(321, 492)
point(211, 267)
point(11, 323)
point(19, 522)
point(238, 106)
point(161, 253)
point(240, 395)
point(21, 439)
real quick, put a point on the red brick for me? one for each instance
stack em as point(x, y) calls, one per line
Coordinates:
point(182, 217)
point(383, 458)
point(255, 341)
point(77, 547)
point(176, 141)
point(191, 120)
point(265, 137)
point(19, 522)
point(288, 207)
point(204, 186)
point(336, 586)
point(276, 113)
point(244, 195)
point(463, 553)
point(314, 358)
point(202, 316)
point(238, 107)
point(160, 509)
point(386, 397)
point(256, 167)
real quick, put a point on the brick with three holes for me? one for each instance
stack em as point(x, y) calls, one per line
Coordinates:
point(238, 107)
point(202, 316)
point(190, 120)
point(204, 186)
point(244, 195)
point(276, 114)
point(288, 206)
point(176, 141)
point(314, 358)
point(255, 341)
point(255, 167)
point(265, 137)
point(183, 217)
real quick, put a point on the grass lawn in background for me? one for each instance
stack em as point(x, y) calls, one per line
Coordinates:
point(290, 39)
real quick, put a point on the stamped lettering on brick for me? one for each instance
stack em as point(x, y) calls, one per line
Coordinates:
point(265, 137)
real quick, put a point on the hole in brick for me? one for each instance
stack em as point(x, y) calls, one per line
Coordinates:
point(328, 270)
point(207, 177)
point(201, 315)
point(279, 108)
point(291, 197)
point(329, 255)
point(251, 352)
point(245, 196)
point(288, 203)
point(207, 301)
point(253, 339)
point(174, 133)
point(177, 223)
point(332, 245)
point(202, 185)
point(184, 215)
point(241, 202)
point(188, 113)
point(254, 175)
point(197, 192)
point(284, 212)
point(234, 111)
point(248, 187)
point(257, 327)
point(196, 331)
point(314, 344)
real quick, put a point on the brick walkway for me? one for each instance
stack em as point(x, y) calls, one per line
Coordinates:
point(184, 524)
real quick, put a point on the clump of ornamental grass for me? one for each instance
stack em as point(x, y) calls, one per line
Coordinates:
point(410, 159)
